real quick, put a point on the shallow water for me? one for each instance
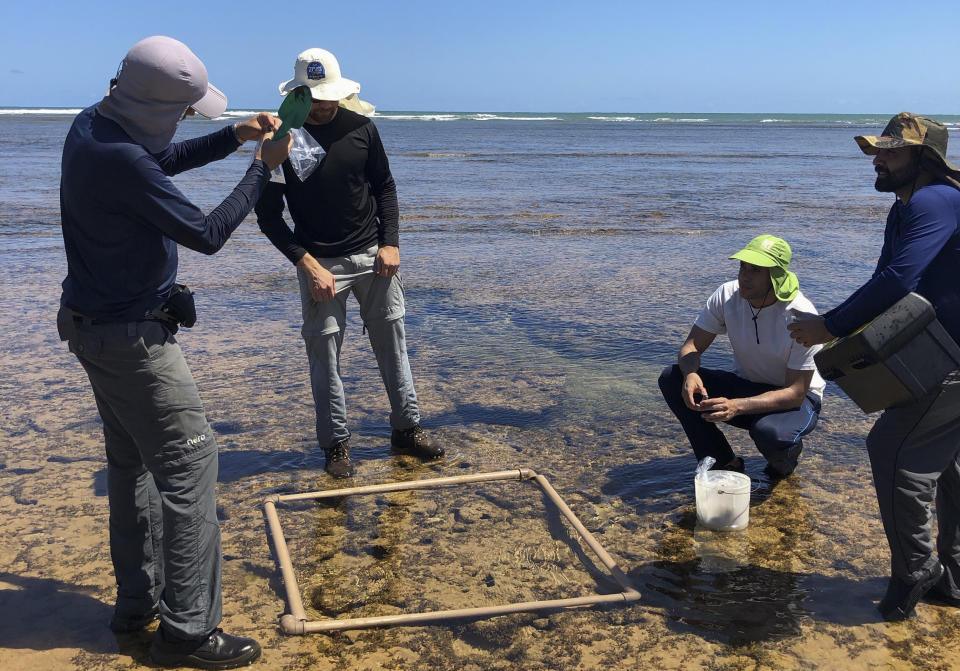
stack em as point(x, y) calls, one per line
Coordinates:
point(551, 270)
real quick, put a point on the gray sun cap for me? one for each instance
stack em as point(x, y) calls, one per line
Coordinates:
point(158, 80)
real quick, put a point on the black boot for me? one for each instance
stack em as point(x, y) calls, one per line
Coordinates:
point(735, 464)
point(129, 624)
point(216, 651)
point(901, 597)
point(941, 595)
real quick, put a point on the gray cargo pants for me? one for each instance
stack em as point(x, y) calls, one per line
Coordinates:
point(382, 310)
point(915, 455)
point(161, 472)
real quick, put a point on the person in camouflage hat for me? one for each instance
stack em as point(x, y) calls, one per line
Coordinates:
point(914, 448)
point(928, 139)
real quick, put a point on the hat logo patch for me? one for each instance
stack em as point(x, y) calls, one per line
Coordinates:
point(315, 70)
point(767, 245)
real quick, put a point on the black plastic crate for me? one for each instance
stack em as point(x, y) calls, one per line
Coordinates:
point(898, 357)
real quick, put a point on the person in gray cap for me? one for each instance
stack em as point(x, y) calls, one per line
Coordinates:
point(122, 219)
point(914, 448)
point(346, 239)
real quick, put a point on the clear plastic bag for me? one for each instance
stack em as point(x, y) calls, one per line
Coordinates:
point(703, 467)
point(305, 155)
point(276, 175)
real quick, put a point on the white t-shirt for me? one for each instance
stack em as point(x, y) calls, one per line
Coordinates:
point(767, 362)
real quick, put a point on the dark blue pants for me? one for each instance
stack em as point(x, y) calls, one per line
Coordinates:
point(778, 435)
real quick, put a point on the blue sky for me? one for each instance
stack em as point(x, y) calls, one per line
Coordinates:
point(668, 56)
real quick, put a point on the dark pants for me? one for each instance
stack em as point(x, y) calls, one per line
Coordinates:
point(778, 435)
point(915, 455)
point(161, 473)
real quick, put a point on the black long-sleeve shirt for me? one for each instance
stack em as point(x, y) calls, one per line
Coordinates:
point(348, 204)
point(122, 216)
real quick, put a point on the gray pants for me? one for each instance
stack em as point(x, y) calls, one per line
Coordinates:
point(915, 455)
point(382, 310)
point(161, 472)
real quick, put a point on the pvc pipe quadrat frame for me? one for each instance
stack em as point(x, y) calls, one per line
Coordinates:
point(295, 622)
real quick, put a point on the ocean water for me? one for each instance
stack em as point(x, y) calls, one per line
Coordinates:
point(592, 238)
point(552, 264)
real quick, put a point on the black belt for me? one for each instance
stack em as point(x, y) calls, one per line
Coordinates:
point(98, 321)
point(82, 319)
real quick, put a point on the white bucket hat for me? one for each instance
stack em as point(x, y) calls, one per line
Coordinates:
point(158, 80)
point(319, 70)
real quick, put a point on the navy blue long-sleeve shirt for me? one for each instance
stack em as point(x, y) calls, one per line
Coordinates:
point(921, 253)
point(122, 216)
point(348, 204)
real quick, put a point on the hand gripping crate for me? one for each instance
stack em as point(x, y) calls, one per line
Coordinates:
point(898, 357)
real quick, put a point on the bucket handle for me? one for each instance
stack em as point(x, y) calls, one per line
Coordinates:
point(755, 485)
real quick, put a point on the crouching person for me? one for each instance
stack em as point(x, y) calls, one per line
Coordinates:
point(774, 391)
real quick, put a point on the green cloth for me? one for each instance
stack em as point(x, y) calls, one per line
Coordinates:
point(293, 110)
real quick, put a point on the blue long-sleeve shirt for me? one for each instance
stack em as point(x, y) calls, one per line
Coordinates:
point(122, 216)
point(921, 253)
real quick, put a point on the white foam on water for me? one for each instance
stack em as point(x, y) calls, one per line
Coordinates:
point(491, 117)
point(41, 111)
point(418, 117)
point(233, 114)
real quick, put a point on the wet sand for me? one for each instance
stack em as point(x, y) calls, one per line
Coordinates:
point(796, 590)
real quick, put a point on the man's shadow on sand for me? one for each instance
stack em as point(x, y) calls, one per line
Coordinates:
point(44, 614)
point(751, 604)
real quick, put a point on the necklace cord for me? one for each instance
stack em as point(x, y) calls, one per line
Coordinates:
point(756, 314)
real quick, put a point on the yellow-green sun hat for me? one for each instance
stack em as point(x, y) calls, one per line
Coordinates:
point(768, 251)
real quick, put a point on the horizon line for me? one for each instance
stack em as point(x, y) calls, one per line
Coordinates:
point(250, 108)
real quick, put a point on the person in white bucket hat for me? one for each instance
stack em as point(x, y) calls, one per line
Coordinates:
point(123, 220)
point(319, 70)
point(346, 238)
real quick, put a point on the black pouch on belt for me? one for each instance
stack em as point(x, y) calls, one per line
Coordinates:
point(178, 310)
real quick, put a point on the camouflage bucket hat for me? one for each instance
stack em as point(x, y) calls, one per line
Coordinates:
point(910, 130)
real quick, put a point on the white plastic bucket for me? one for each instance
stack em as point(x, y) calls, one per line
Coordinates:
point(723, 500)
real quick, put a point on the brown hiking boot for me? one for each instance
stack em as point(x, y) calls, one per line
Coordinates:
point(417, 442)
point(338, 462)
